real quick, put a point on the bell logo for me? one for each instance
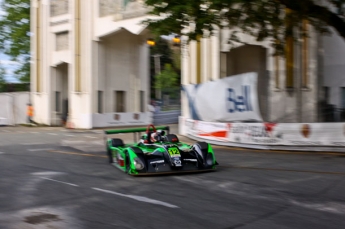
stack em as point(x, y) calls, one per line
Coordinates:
point(239, 103)
point(305, 130)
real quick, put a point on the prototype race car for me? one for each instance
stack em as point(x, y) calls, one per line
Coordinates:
point(158, 152)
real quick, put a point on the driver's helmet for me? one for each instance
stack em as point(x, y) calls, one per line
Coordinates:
point(157, 136)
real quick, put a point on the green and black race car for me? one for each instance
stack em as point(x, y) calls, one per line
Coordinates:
point(158, 152)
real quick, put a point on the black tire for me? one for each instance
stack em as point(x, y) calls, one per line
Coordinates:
point(110, 156)
point(204, 150)
point(117, 142)
point(127, 162)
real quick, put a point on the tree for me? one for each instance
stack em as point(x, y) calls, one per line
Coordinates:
point(263, 19)
point(167, 80)
point(15, 35)
point(2, 79)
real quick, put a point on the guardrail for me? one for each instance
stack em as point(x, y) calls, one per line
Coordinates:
point(166, 117)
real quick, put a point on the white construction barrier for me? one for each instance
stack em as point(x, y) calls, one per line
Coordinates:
point(13, 108)
point(265, 135)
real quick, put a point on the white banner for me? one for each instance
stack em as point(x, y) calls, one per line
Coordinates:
point(229, 99)
point(121, 119)
point(266, 134)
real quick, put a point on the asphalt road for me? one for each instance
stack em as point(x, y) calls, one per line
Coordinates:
point(58, 179)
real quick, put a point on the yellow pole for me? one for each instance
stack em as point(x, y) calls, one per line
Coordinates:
point(289, 47)
point(305, 54)
point(198, 60)
point(38, 51)
point(77, 46)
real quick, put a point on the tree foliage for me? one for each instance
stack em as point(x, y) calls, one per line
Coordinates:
point(14, 35)
point(263, 19)
point(167, 79)
point(2, 79)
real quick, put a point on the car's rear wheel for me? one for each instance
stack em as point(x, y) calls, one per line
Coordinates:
point(127, 163)
point(110, 156)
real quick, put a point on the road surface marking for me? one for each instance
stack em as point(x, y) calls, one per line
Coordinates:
point(331, 207)
point(79, 154)
point(47, 173)
point(34, 150)
point(60, 181)
point(138, 198)
point(70, 135)
point(34, 132)
point(29, 144)
point(20, 132)
point(6, 131)
point(1, 152)
point(52, 133)
point(90, 137)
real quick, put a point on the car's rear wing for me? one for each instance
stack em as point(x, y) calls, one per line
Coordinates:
point(137, 130)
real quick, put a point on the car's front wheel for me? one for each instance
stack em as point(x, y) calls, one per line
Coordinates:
point(110, 156)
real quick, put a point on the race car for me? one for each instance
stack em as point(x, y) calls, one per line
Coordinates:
point(158, 152)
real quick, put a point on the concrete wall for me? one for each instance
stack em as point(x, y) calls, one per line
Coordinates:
point(251, 58)
point(13, 107)
point(123, 66)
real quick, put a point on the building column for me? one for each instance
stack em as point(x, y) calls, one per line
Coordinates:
point(215, 56)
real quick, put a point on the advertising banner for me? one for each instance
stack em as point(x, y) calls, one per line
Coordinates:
point(266, 134)
point(229, 99)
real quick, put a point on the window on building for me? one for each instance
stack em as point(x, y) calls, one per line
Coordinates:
point(62, 41)
point(58, 7)
point(289, 52)
point(326, 94)
point(120, 101)
point(142, 101)
point(343, 97)
point(109, 7)
point(305, 51)
point(57, 101)
point(100, 102)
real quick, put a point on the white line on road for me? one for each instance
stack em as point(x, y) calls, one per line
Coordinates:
point(138, 198)
point(60, 181)
point(70, 135)
point(52, 133)
point(34, 150)
point(34, 143)
point(1, 152)
point(34, 132)
point(47, 173)
point(90, 137)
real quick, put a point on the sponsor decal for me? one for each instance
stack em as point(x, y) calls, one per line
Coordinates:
point(136, 116)
point(194, 160)
point(177, 162)
point(157, 162)
point(305, 130)
point(117, 117)
point(270, 127)
point(250, 131)
point(174, 152)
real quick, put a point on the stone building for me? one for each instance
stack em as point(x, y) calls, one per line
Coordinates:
point(288, 87)
point(90, 62)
